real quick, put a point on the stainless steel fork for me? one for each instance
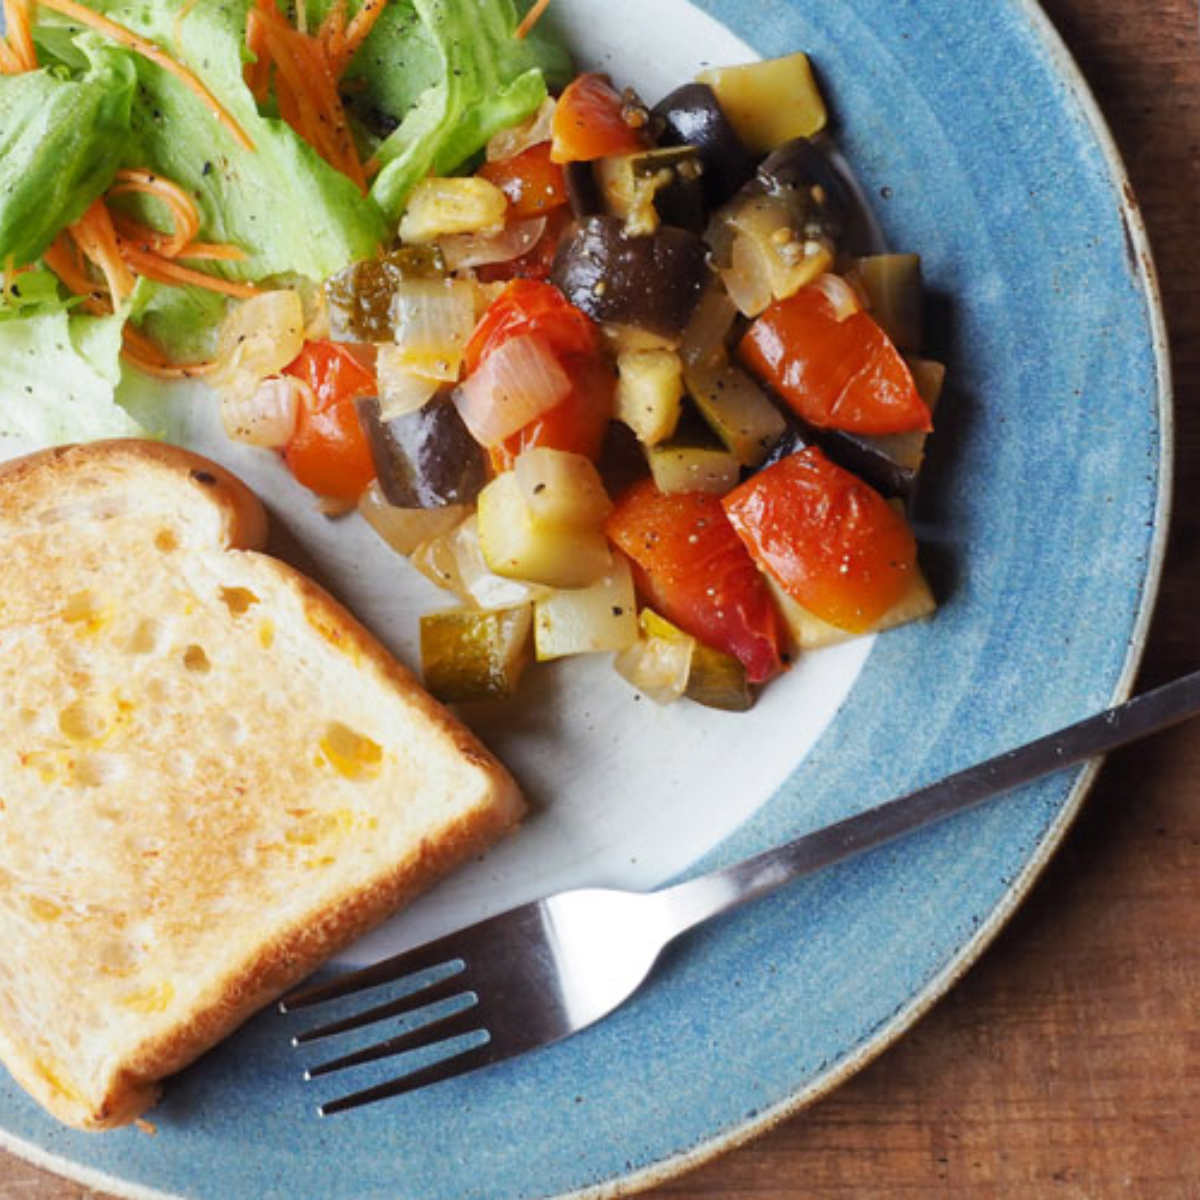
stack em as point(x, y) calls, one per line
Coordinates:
point(535, 974)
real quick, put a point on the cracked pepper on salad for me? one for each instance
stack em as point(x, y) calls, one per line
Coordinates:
point(613, 375)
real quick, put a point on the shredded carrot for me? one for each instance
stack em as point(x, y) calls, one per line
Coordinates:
point(20, 34)
point(146, 356)
point(85, 16)
point(9, 63)
point(165, 270)
point(532, 17)
point(356, 33)
point(64, 259)
point(185, 216)
point(213, 251)
point(257, 73)
point(96, 237)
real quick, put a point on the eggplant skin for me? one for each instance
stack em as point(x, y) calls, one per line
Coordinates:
point(791, 173)
point(652, 282)
point(692, 116)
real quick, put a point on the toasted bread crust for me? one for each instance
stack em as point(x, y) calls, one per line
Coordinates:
point(285, 954)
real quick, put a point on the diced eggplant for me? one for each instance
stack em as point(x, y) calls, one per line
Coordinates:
point(793, 439)
point(653, 282)
point(622, 462)
point(769, 102)
point(802, 175)
point(737, 410)
point(691, 116)
point(654, 187)
point(649, 393)
point(518, 546)
point(583, 190)
point(424, 459)
point(895, 295)
point(468, 655)
point(359, 298)
point(588, 620)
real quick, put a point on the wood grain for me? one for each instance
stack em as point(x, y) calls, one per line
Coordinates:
point(1067, 1063)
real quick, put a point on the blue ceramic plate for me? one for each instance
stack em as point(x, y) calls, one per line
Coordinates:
point(1043, 525)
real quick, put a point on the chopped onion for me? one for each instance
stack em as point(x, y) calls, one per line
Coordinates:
point(658, 667)
point(404, 529)
point(510, 142)
point(748, 277)
point(432, 321)
point(704, 338)
point(401, 389)
point(481, 584)
point(515, 384)
point(266, 416)
point(259, 338)
point(843, 299)
point(477, 249)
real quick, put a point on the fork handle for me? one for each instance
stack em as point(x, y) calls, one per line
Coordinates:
point(696, 900)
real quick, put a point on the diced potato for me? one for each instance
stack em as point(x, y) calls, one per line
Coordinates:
point(562, 488)
point(806, 631)
point(895, 295)
point(715, 679)
point(629, 339)
point(588, 620)
point(737, 410)
point(404, 529)
point(682, 468)
point(439, 206)
point(650, 393)
point(467, 655)
point(658, 667)
point(518, 546)
point(770, 102)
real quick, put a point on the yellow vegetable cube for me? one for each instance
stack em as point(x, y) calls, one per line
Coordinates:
point(588, 620)
point(561, 488)
point(770, 102)
point(650, 393)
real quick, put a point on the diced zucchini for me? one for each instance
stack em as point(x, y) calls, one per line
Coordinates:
point(562, 489)
point(440, 206)
point(518, 546)
point(737, 410)
point(770, 102)
point(480, 585)
point(649, 393)
point(678, 467)
point(716, 679)
point(704, 340)
point(895, 295)
point(807, 631)
point(588, 620)
point(404, 529)
point(657, 666)
point(468, 655)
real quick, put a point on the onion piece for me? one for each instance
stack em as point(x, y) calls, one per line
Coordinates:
point(704, 338)
point(401, 389)
point(404, 529)
point(516, 383)
point(477, 249)
point(843, 299)
point(658, 667)
point(258, 338)
point(432, 321)
point(510, 142)
point(266, 416)
point(748, 277)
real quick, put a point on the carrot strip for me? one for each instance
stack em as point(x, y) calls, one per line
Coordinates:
point(532, 17)
point(213, 251)
point(9, 63)
point(164, 270)
point(257, 74)
point(139, 350)
point(356, 33)
point(184, 213)
point(181, 16)
point(20, 33)
point(96, 237)
point(85, 16)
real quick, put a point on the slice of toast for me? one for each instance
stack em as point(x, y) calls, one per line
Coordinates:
point(211, 776)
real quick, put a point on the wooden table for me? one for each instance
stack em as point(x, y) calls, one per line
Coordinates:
point(1067, 1063)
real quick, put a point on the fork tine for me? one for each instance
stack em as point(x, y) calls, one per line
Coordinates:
point(410, 1002)
point(466, 1061)
point(451, 1025)
point(419, 958)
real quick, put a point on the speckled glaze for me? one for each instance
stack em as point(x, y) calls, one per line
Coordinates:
point(1043, 524)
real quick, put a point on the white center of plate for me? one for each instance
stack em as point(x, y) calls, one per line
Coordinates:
point(624, 793)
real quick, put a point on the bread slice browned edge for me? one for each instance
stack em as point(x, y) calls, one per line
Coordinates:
point(292, 953)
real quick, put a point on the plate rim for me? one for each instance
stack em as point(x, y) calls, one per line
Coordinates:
point(921, 1002)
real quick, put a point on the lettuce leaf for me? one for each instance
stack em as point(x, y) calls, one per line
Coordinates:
point(61, 140)
point(57, 375)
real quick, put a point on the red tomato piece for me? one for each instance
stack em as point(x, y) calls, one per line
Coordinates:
point(692, 567)
point(329, 452)
point(835, 545)
point(835, 374)
point(533, 184)
point(578, 424)
point(590, 122)
point(530, 306)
